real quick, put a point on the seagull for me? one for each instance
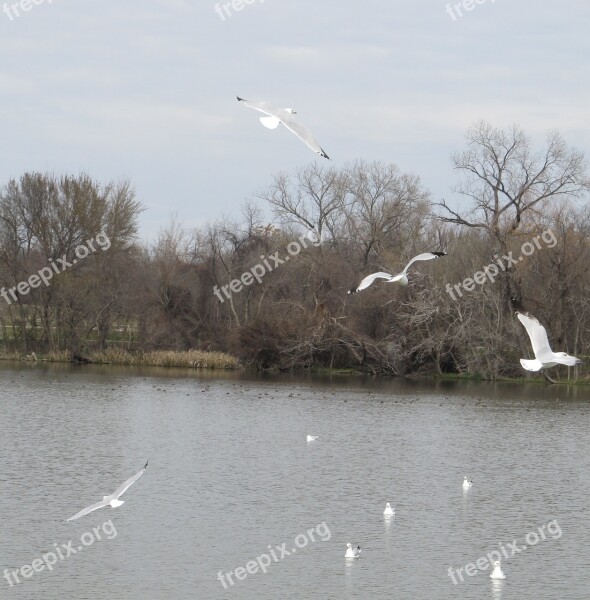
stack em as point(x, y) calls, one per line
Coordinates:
point(113, 499)
point(352, 552)
point(312, 438)
point(544, 356)
point(466, 483)
point(497, 572)
point(388, 510)
point(401, 277)
point(284, 115)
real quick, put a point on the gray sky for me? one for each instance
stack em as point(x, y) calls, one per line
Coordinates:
point(146, 90)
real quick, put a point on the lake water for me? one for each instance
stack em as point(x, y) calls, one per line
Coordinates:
point(230, 473)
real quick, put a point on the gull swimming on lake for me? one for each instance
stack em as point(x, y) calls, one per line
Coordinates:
point(312, 438)
point(497, 572)
point(544, 356)
point(388, 510)
point(401, 277)
point(466, 483)
point(275, 116)
point(112, 500)
point(352, 552)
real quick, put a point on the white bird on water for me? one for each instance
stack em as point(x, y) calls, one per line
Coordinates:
point(544, 356)
point(275, 116)
point(112, 500)
point(352, 552)
point(388, 510)
point(466, 483)
point(312, 438)
point(497, 572)
point(401, 277)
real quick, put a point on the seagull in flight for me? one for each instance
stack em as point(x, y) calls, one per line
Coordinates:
point(544, 356)
point(401, 277)
point(275, 116)
point(113, 499)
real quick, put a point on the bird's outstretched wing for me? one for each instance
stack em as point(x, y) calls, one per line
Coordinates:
point(369, 279)
point(537, 335)
point(304, 135)
point(424, 256)
point(89, 509)
point(123, 487)
point(264, 107)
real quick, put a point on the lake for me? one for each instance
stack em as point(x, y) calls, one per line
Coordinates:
point(233, 487)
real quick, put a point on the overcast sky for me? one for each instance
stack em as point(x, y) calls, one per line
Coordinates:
point(145, 90)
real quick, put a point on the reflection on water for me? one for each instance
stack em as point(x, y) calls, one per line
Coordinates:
point(497, 586)
point(231, 473)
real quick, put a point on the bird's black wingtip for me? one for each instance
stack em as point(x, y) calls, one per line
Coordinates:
point(146, 464)
point(240, 99)
point(322, 153)
point(439, 253)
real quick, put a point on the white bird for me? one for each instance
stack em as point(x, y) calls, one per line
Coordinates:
point(352, 552)
point(113, 499)
point(388, 510)
point(544, 356)
point(497, 572)
point(275, 116)
point(466, 483)
point(401, 277)
point(312, 438)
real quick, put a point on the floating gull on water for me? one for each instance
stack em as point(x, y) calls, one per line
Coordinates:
point(312, 438)
point(112, 500)
point(401, 277)
point(388, 510)
point(275, 116)
point(497, 572)
point(544, 356)
point(352, 552)
point(467, 483)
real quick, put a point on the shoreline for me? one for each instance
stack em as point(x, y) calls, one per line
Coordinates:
point(200, 359)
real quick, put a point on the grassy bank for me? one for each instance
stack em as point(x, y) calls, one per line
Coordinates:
point(191, 359)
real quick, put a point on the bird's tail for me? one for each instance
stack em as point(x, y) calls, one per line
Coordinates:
point(531, 365)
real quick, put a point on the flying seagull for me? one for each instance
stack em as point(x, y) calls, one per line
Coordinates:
point(284, 116)
point(544, 356)
point(113, 499)
point(401, 277)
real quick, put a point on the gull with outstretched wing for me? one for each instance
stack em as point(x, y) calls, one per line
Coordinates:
point(544, 356)
point(401, 277)
point(112, 500)
point(275, 116)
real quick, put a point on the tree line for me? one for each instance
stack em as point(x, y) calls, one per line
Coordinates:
point(525, 211)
